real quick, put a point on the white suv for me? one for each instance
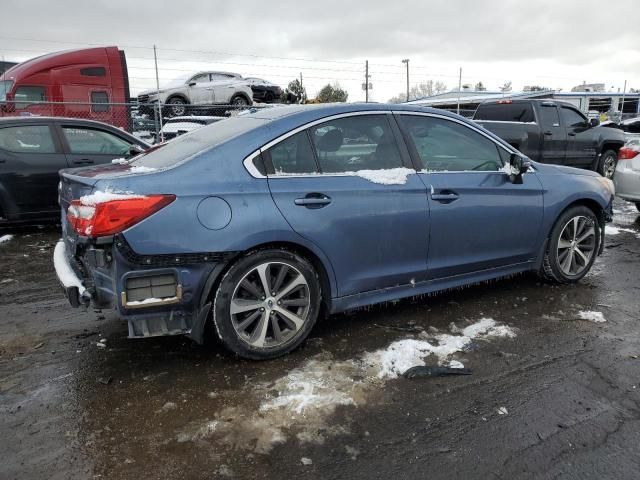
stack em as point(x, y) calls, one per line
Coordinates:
point(199, 90)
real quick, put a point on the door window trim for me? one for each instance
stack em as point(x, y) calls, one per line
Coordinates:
point(412, 151)
point(58, 148)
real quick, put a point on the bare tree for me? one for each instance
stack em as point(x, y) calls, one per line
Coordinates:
point(506, 87)
point(424, 89)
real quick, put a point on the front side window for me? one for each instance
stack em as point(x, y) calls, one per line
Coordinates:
point(444, 145)
point(99, 102)
point(27, 139)
point(203, 78)
point(89, 141)
point(293, 155)
point(571, 117)
point(349, 144)
point(25, 96)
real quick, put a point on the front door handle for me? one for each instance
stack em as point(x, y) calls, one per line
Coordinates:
point(444, 196)
point(82, 161)
point(313, 200)
point(571, 134)
point(548, 134)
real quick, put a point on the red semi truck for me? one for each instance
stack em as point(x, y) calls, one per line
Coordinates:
point(90, 83)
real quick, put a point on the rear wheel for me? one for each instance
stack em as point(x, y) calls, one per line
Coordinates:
point(607, 164)
point(573, 246)
point(267, 304)
point(239, 101)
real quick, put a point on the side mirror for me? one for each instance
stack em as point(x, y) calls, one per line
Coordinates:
point(518, 166)
point(594, 122)
point(135, 150)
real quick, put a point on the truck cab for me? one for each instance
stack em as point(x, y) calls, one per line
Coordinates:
point(90, 83)
point(550, 131)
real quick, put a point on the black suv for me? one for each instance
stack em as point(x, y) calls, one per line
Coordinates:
point(34, 149)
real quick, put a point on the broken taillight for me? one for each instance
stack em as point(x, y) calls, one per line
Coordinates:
point(113, 216)
point(626, 153)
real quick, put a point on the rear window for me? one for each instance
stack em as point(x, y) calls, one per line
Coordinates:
point(505, 112)
point(178, 150)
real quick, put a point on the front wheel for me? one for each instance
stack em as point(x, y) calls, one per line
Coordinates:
point(573, 246)
point(267, 304)
point(176, 107)
point(607, 164)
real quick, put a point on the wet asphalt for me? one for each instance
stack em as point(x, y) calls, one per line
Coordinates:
point(560, 400)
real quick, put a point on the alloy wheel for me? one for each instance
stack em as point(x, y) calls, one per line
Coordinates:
point(576, 245)
point(609, 166)
point(270, 304)
point(177, 107)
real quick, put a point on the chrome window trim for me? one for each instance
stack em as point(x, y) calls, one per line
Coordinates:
point(248, 161)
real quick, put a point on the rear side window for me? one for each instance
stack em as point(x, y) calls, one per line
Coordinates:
point(27, 139)
point(24, 96)
point(549, 116)
point(293, 155)
point(363, 142)
point(443, 145)
point(99, 102)
point(571, 118)
point(506, 112)
point(90, 141)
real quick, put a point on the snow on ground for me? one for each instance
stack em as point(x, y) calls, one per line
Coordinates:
point(100, 197)
point(65, 273)
point(299, 402)
point(596, 317)
point(5, 238)
point(611, 230)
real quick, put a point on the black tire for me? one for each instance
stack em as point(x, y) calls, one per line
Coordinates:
point(269, 97)
point(176, 107)
point(607, 163)
point(240, 101)
point(638, 206)
point(232, 288)
point(552, 268)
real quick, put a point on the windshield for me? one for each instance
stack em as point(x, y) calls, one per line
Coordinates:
point(5, 86)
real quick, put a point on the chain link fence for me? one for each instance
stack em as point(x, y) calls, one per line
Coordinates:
point(151, 122)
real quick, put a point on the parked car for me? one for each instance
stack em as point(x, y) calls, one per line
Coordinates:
point(34, 149)
point(264, 91)
point(627, 177)
point(550, 131)
point(177, 126)
point(630, 127)
point(198, 91)
point(259, 223)
point(91, 83)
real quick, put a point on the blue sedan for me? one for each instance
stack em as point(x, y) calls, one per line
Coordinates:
point(260, 223)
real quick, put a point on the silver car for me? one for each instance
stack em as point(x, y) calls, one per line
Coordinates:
point(627, 176)
point(195, 92)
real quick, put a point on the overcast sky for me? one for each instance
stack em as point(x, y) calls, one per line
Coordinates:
point(556, 44)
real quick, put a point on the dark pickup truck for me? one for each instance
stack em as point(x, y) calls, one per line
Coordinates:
point(550, 131)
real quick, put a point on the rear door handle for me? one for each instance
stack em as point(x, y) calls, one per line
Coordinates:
point(548, 134)
point(82, 161)
point(313, 200)
point(571, 134)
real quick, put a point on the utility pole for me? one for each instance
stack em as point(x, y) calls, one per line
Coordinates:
point(366, 81)
point(301, 100)
point(459, 88)
point(624, 91)
point(159, 103)
point(406, 62)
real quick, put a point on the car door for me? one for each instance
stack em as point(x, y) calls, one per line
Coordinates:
point(554, 135)
point(201, 90)
point(479, 220)
point(223, 87)
point(334, 183)
point(581, 144)
point(84, 145)
point(30, 158)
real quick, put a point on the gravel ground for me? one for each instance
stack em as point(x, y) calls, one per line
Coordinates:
point(560, 399)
